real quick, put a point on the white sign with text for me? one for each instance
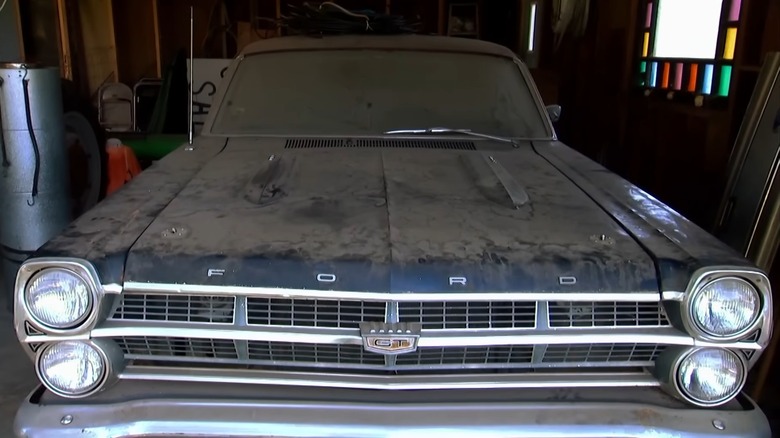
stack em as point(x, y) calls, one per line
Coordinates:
point(206, 77)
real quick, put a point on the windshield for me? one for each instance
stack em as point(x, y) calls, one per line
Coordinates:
point(367, 92)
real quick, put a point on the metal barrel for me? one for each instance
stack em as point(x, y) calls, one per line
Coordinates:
point(34, 166)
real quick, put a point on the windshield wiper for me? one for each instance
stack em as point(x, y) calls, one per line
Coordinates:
point(430, 131)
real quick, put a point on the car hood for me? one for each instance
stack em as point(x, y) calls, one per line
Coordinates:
point(388, 220)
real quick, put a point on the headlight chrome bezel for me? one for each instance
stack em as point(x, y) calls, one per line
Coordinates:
point(91, 389)
point(110, 354)
point(695, 326)
point(675, 377)
point(756, 279)
point(91, 298)
point(31, 270)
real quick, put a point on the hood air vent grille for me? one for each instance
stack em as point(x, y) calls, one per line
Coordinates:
point(312, 143)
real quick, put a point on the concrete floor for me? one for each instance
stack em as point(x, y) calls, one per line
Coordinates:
point(17, 376)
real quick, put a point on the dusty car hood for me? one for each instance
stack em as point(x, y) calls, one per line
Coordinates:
point(386, 220)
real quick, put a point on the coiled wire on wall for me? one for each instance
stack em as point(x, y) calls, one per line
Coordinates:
point(33, 140)
point(330, 18)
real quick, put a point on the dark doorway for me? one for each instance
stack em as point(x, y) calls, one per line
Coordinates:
point(499, 22)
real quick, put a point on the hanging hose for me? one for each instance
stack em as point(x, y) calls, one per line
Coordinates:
point(6, 163)
point(28, 113)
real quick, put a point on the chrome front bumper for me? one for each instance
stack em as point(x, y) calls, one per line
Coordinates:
point(161, 409)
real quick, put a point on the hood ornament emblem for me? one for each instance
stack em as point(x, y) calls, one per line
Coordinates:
point(390, 338)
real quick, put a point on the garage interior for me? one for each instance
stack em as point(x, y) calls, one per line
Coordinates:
point(678, 127)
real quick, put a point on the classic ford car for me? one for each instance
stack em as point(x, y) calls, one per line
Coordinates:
point(380, 236)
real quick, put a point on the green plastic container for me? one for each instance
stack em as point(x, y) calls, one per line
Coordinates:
point(152, 146)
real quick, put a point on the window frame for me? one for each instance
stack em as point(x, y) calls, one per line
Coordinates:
point(663, 74)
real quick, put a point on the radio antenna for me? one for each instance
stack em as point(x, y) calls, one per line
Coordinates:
point(192, 67)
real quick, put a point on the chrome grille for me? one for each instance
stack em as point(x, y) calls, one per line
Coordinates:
point(460, 356)
point(179, 308)
point(300, 332)
point(266, 353)
point(313, 313)
point(448, 315)
point(433, 315)
point(313, 353)
point(607, 314)
point(152, 347)
point(601, 353)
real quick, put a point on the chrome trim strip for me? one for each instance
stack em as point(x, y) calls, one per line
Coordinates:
point(383, 296)
point(359, 381)
point(672, 296)
point(38, 339)
point(112, 288)
point(555, 339)
point(343, 337)
point(666, 336)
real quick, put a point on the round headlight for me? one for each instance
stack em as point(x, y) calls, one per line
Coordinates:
point(71, 368)
point(58, 298)
point(726, 308)
point(711, 376)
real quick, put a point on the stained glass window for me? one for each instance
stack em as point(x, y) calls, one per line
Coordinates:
point(687, 28)
point(688, 46)
point(731, 42)
point(706, 86)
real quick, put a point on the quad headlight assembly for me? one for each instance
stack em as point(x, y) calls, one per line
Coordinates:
point(728, 313)
point(57, 302)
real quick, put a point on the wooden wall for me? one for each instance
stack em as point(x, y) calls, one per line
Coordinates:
point(97, 32)
point(11, 43)
point(39, 24)
point(148, 34)
point(174, 29)
point(137, 39)
point(673, 149)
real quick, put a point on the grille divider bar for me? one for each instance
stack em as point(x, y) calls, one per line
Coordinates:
point(240, 315)
point(542, 323)
point(391, 317)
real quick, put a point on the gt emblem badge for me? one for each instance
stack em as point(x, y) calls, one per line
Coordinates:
point(390, 339)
